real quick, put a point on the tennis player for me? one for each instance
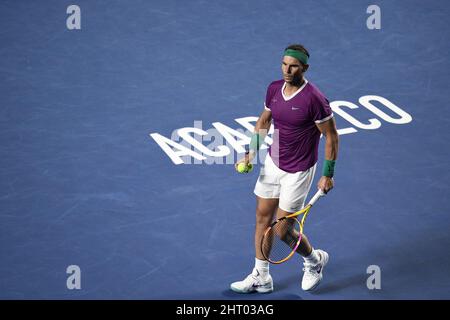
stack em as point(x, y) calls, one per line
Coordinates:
point(300, 113)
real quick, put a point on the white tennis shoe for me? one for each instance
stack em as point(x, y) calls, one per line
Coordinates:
point(314, 272)
point(253, 283)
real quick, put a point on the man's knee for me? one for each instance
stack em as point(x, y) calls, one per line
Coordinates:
point(265, 210)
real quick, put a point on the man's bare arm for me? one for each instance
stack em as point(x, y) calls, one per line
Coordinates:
point(262, 128)
point(328, 129)
point(264, 121)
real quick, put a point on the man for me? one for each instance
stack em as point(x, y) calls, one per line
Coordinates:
point(300, 113)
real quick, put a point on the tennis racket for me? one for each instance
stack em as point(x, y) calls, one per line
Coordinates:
point(282, 238)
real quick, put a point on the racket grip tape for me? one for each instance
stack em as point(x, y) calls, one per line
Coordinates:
point(316, 197)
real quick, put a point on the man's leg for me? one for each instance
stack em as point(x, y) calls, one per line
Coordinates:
point(265, 210)
point(259, 280)
point(304, 248)
point(315, 260)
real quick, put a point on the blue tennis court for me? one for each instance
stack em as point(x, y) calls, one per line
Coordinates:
point(84, 181)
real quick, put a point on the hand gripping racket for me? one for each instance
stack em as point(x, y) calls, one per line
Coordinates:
point(282, 238)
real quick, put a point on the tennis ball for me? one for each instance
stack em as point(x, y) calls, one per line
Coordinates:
point(241, 168)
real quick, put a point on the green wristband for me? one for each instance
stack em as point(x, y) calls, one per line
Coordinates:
point(256, 142)
point(328, 168)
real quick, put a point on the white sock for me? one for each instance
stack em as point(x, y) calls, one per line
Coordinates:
point(313, 258)
point(262, 266)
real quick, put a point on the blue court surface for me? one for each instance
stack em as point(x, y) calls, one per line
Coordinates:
point(85, 183)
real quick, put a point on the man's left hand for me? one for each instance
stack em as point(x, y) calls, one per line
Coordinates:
point(325, 184)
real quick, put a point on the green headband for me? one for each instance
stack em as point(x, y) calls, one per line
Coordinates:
point(300, 56)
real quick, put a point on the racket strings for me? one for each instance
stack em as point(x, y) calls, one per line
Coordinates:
point(281, 240)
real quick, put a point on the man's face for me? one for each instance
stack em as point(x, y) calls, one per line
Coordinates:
point(292, 69)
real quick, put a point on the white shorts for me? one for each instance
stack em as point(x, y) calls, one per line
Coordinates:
point(290, 188)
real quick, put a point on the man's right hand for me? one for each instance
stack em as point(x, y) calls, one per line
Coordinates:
point(246, 159)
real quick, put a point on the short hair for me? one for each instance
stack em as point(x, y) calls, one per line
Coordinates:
point(298, 47)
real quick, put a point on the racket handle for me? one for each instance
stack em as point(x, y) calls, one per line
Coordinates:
point(316, 197)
